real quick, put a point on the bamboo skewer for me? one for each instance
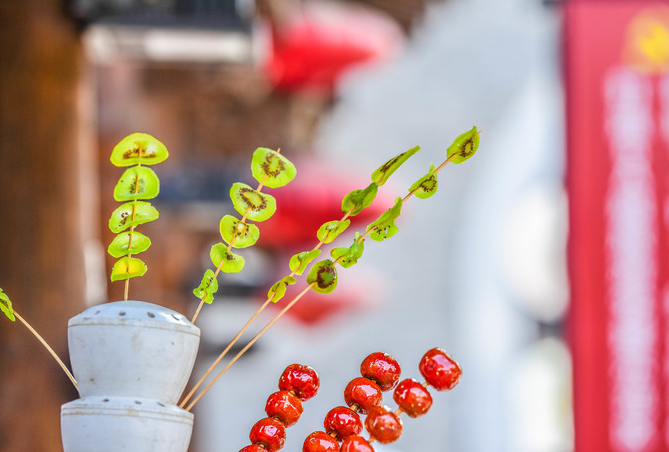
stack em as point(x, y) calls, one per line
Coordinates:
point(49, 349)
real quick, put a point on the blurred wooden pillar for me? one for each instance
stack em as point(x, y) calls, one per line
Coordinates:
point(41, 252)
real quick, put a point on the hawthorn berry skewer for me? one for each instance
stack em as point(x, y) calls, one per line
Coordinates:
point(297, 384)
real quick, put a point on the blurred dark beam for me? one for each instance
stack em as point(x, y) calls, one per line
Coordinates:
point(41, 264)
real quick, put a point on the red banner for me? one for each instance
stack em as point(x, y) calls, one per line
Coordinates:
point(617, 81)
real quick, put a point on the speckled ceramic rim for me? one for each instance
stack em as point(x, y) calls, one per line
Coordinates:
point(125, 314)
point(127, 407)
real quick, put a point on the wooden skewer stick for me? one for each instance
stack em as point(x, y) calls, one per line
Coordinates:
point(48, 348)
point(223, 353)
point(251, 342)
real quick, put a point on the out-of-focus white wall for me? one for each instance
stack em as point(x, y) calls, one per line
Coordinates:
point(478, 269)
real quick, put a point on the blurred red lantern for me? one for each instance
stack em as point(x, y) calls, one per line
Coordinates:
point(322, 41)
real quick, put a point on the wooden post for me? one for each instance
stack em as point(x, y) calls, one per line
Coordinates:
point(41, 215)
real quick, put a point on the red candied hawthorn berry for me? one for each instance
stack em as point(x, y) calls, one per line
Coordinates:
point(381, 368)
point(440, 370)
point(284, 406)
point(300, 379)
point(253, 448)
point(320, 442)
point(383, 425)
point(356, 443)
point(342, 422)
point(269, 433)
point(412, 397)
point(361, 394)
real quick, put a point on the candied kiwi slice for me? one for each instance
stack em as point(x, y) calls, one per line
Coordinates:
point(348, 257)
point(383, 172)
point(464, 146)
point(272, 169)
point(260, 206)
point(324, 275)
point(244, 234)
point(123, 245)
point(384, 227)
point(127, 267)
point(299, 262)
point(207, 288)
point(278, 289)
point(426, 186)
point(122, 218)
point(6, 306)
point(228, 261)
point(358, 200)
point(330, 230)
point(138, 182)
point(138, 148)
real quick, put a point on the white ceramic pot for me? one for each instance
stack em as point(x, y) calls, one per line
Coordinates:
point(132, 349)
point(116, 424)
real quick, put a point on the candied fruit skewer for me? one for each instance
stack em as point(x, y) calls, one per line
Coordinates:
point(232, 241)
point(413, 398)
point(297, 383)
point(126, 288)
point(138, 184)
point(282, 312)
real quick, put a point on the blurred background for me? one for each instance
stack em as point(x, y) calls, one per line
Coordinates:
point(538, 265)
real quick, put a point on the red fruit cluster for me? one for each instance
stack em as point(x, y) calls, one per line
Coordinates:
point(283, 408)
point(363, 395)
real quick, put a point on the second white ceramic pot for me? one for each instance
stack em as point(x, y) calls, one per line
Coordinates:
point(132, 349)
point(116, 424)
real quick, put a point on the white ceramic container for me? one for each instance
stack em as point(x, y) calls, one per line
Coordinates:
point(117, 424)
point(132, 349)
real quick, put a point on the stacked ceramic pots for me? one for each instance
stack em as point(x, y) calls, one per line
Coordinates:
point(132, 361)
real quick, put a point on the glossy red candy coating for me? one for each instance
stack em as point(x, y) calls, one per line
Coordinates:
point(383, 425)
point(269, 433)
point(356, 443)
point(361, 394)
point(342, 422)
point(440, 371)
point(302, 380)
point(284, 406)
point(253, 448)
point(320, 442)
point(381, 368)
point(412, 397)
